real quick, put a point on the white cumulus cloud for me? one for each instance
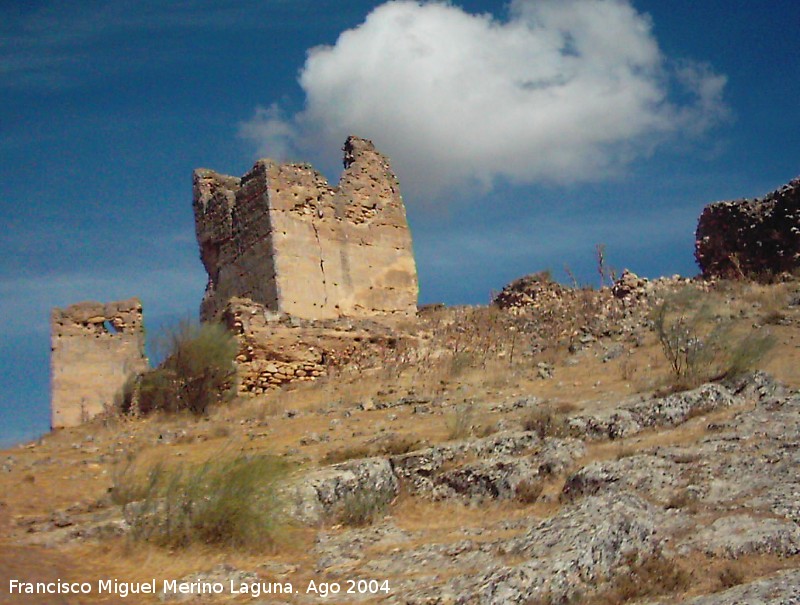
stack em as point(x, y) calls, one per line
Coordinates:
point(560, 91)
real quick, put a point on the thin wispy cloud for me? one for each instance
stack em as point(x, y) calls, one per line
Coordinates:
point(561, 91)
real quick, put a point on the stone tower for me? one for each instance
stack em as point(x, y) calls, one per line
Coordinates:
point(94, 348)
point(283, 237)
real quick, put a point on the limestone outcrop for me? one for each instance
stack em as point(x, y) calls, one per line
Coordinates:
point(751, 238)
point(285, 238)
point(95, 347)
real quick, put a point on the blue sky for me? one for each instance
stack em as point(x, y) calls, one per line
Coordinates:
point(524, 134)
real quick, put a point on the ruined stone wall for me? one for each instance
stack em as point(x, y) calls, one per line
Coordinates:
point(276, 349)
point(283, 237)
point(95, 347)
point(751, 238)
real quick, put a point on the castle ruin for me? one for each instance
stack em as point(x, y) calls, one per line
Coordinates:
point(284, 238)
point(753, 238)
point(94, 348)
point(286, 254)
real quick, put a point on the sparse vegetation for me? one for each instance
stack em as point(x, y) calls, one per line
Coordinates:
point(353, 452)
point(364, 507)
point(228, 501)
point(529, 490)
point(652, 577)
point(197, 371)
point(128, 484)
point(689, 337)
point(683, 499)
point(731, 575)
point(655, 576)
point(607, 274)
point(547, 421)
point(628, 368)
point(748, 352)
point(394, 446)
point(461, 422)
point(700, 343)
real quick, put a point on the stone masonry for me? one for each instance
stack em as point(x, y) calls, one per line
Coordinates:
point(276, 349)
point(95, 347)
point(284, 238)
point(751, 238)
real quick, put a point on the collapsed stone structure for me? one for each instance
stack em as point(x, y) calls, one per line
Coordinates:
point(275, 349)
point(751, 238)
point(94, 348)
point(284, 238)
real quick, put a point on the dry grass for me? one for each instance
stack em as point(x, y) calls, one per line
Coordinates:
point(548, 420)
point(461, 422)
point(652, 577)
point(63, 474)
point(528, 491)
point(344, 454)
point(685, 500)
point(701, 341)
point(227, 501)
point(394, 446)
point(363, 507)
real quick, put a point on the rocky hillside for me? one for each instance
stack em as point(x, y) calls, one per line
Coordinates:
point(541, 450)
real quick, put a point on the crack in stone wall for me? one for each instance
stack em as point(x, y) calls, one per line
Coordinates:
point(321, 264)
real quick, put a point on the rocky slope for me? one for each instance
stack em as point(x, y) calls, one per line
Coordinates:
point(507, 481)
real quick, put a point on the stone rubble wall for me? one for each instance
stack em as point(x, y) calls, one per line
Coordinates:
point(751, 238)
point(276, 349)
point(95, 347)
point(283, 237)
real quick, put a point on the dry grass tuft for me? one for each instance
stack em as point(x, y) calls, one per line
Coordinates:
point(529, 490)
point(461, 422)
point(364, 507)
point(225, 501)
point(548, 421)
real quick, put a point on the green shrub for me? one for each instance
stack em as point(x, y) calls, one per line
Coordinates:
point(700, 345)
point(229, 501)
point(364, 507)
point(747, 352)
point(689, 338)
point(197, 371)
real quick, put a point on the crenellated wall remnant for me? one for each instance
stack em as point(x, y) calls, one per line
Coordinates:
point(283, 237)
point(751, 238)
point(94, 348)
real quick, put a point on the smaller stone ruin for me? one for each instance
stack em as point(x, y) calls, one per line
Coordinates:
point(94, 348)
point(757, 238)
